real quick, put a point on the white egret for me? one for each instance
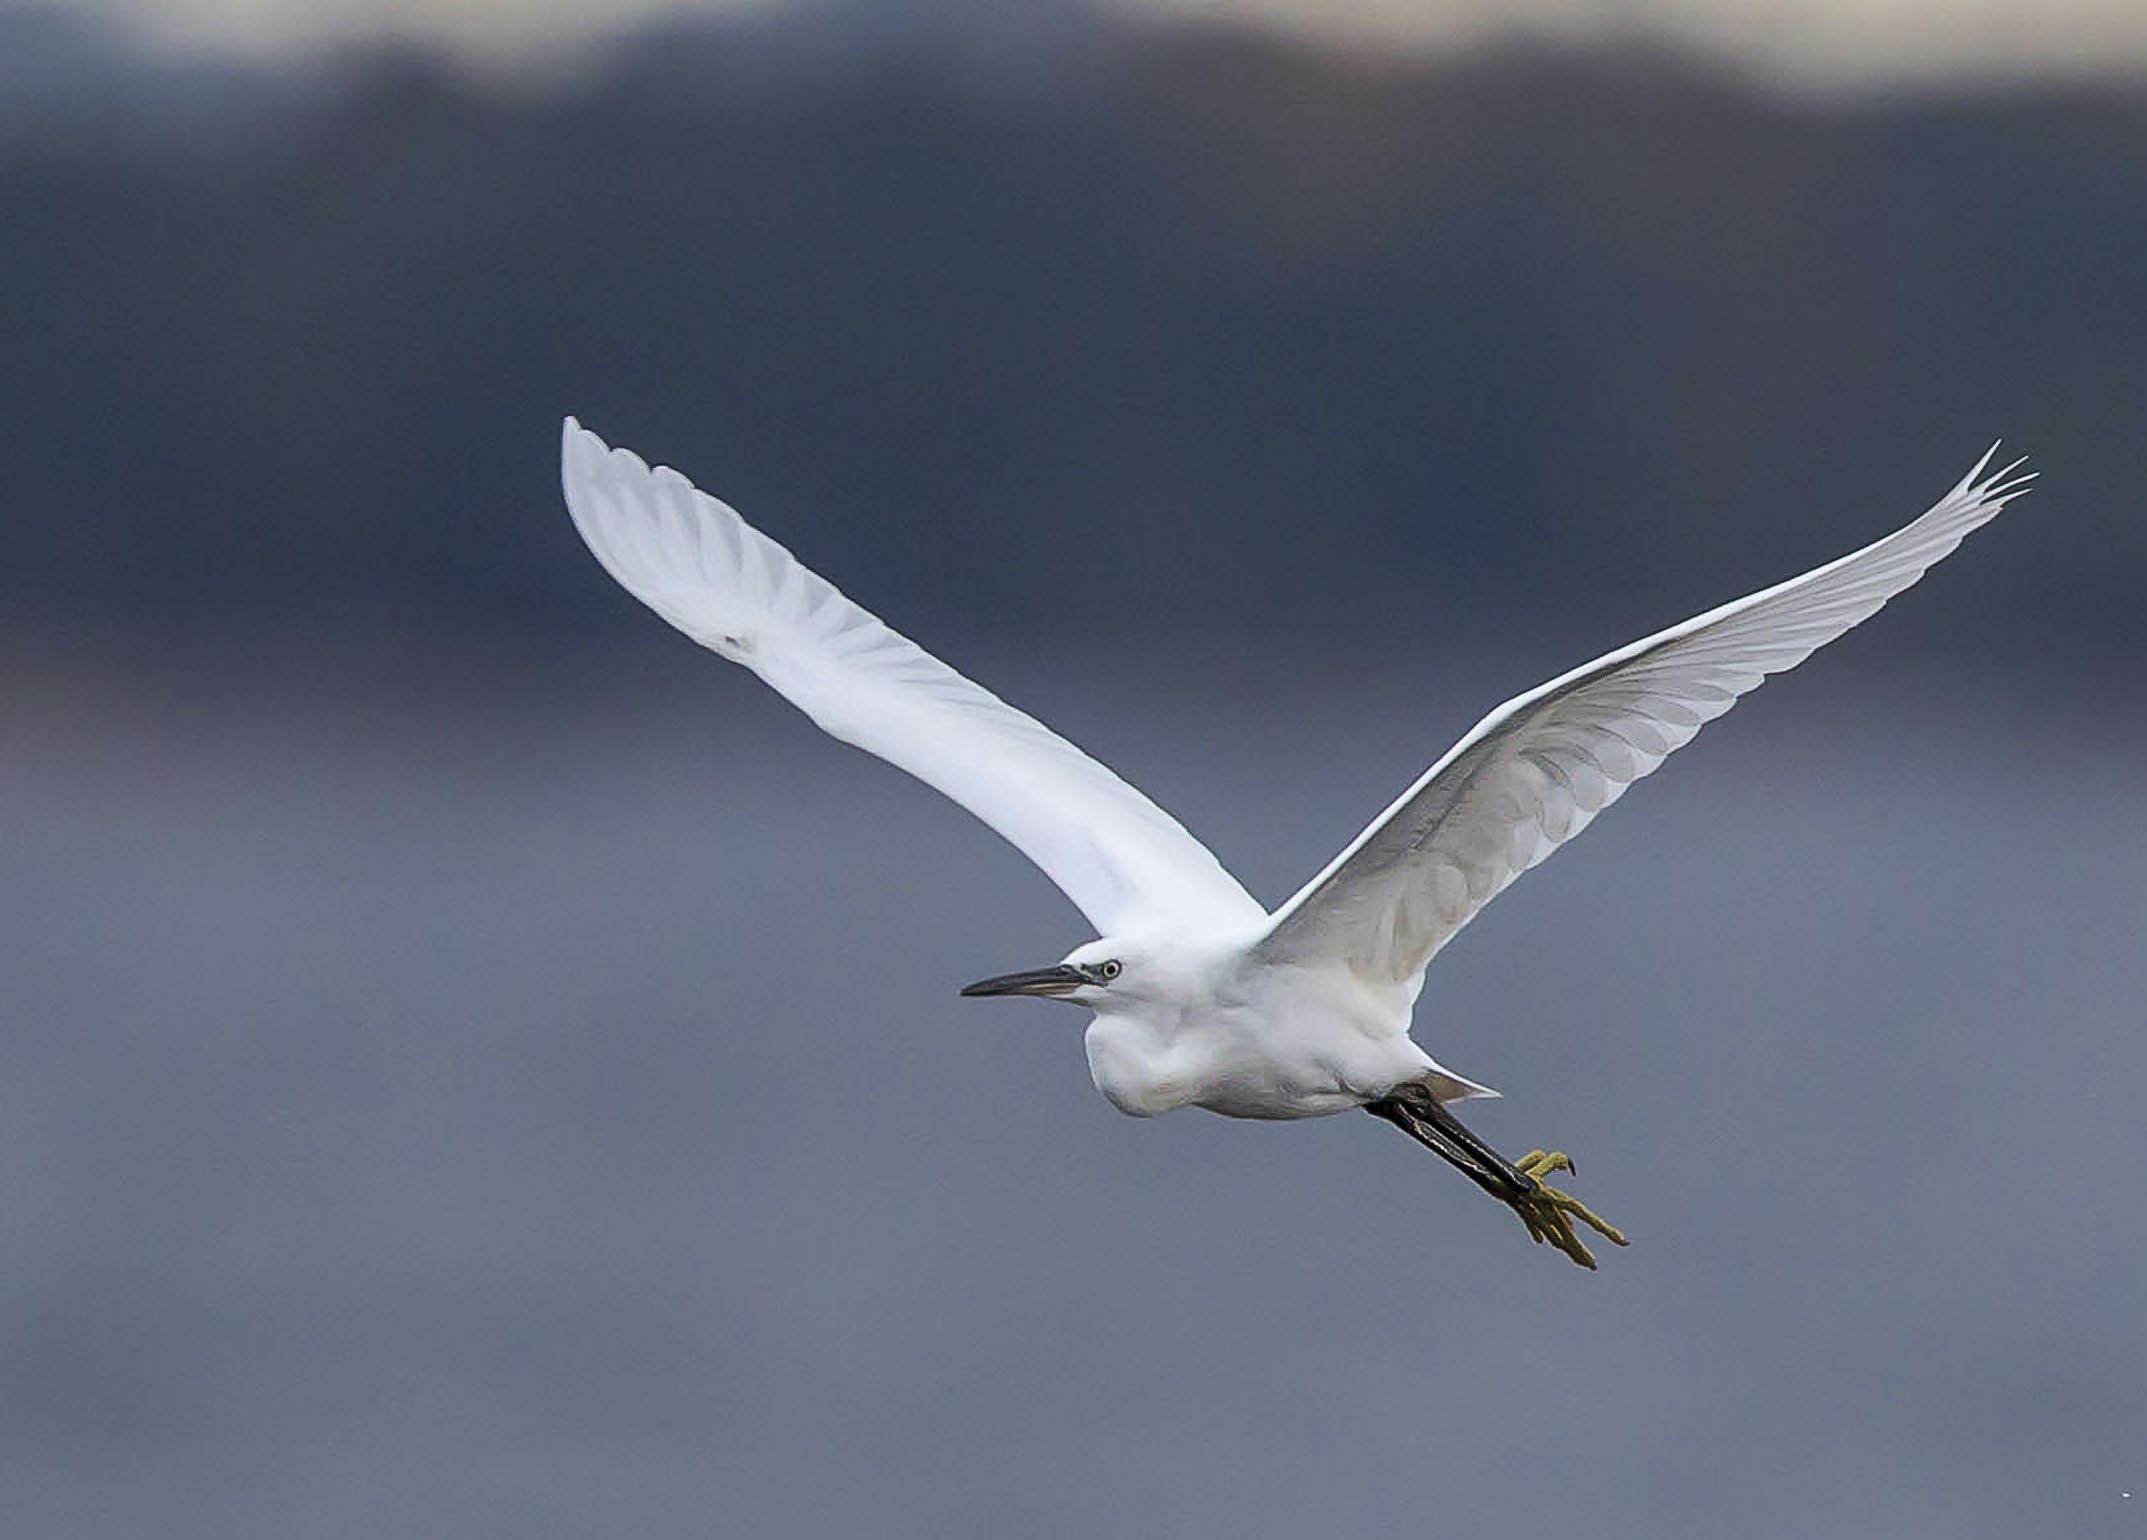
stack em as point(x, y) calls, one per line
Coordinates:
point(1200, 996)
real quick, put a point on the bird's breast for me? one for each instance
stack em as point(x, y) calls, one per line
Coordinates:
point(1247, 1063)
point(1131, 1064)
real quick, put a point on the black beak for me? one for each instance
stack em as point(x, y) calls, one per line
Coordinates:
point(1057, 980)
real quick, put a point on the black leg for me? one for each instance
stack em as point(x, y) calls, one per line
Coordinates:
point(1516, 1182)
point(1493, 1175)
point(1547, 1212)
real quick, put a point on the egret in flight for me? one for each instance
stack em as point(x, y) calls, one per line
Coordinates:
point(1199, 996)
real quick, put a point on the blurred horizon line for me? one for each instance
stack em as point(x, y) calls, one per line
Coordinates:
point(1849, 48)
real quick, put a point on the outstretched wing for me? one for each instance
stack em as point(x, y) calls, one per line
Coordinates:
point(693, 561)
point(1531, 775)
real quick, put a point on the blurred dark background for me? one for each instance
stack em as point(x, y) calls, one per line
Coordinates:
point(1249, 336)
point(473, 1065)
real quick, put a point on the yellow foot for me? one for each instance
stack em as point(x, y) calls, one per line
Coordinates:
point(1549, 1213)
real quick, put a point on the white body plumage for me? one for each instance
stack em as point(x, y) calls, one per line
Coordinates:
point(1203, 1021)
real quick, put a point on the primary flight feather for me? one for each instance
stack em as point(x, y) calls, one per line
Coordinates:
point(1202, 998)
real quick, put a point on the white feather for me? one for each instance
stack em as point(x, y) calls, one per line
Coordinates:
point(1533, 773)
point(1124, 861)
point(1200, 998)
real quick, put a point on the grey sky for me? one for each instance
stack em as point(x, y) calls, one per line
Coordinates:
point(1816, 43)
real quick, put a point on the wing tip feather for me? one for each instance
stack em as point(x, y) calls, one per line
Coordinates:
point(574, 439)
point(1983, 486)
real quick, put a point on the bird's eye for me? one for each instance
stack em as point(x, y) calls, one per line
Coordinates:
point(1109, 971)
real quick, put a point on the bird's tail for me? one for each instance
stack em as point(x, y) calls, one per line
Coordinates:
point(1446, 1086)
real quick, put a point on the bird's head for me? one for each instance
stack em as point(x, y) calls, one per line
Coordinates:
point(1099, 975)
